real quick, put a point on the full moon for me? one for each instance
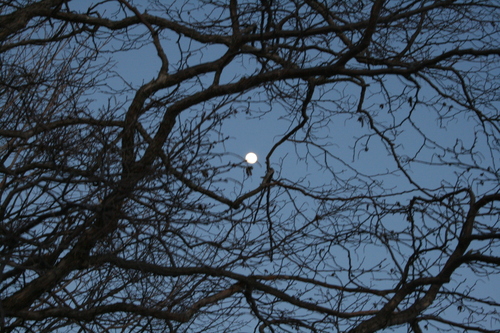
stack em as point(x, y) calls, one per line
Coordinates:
point(251, 158)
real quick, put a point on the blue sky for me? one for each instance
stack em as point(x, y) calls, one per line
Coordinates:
point(345, 152)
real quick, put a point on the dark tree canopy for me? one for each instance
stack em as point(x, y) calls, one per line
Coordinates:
point(126, 203)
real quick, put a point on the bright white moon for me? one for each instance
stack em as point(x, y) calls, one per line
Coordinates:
point(251, 158)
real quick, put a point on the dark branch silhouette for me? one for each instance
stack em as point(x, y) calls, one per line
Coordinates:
point(124, 205)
